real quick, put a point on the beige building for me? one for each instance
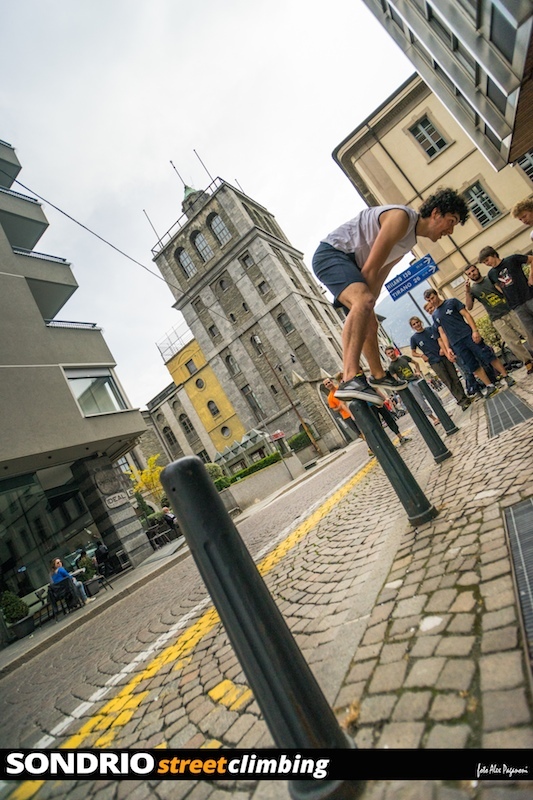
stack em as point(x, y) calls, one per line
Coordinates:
point(65, 417)
point(477, 58)
point(410, 146)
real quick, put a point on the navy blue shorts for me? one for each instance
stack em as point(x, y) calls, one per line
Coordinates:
point(336, 270)
point(473, 355)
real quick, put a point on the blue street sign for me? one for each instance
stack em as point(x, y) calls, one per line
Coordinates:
point(411, 277)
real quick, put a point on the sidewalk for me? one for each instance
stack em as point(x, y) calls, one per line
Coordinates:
point(414, 634)
point(19, 652)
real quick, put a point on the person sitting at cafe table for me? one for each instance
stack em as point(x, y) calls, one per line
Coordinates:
point(59, 573)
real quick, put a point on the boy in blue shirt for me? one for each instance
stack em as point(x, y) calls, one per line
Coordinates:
point(461, 338)
point(425, 342)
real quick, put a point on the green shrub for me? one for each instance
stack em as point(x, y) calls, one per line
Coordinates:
point(299, 441)
point(258, 465)
point(154, 518)
point(488, 331)
point(13, 607)
point(222, 483)
point(214, 471)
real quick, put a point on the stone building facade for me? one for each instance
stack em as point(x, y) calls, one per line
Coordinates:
point(251, 304)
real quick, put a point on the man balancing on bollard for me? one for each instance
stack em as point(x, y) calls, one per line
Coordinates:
point(354, 261)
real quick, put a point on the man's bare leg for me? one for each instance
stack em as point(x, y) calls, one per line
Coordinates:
point(358, 298)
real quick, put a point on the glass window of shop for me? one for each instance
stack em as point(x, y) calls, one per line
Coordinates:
point(37, 525)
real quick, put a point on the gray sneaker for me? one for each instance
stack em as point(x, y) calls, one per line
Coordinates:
point(388, 382)
point(358, 389)
point(510, 381)
point(489, 390)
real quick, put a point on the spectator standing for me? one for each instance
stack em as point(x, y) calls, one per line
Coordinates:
point(462, 339)
point(505, 321)
point(339, 407)
point(170, 519)
point(102, 558)
point(355, 260)
point(524, 212)
point(509, 275)
point(425, 344)
point(409, 370)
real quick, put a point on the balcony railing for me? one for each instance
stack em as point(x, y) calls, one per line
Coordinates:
point(18, 194)
point(21, 251)
point(182, 221)
point(57, 323)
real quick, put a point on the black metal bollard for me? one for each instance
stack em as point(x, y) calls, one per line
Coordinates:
point(427, 429)
point(293, 704)
point(434, 401)
point(411, 496)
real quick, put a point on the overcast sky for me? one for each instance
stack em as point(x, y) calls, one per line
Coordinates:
point(99, 95)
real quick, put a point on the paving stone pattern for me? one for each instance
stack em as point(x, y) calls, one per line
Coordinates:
point(415, 646)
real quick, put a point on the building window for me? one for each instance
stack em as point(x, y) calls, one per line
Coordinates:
point(285, 323)
point(200, 384)
point(253, 402)
point(481, 205)
point(428, 137)
point(263, 287)
point(204, 456)
point(223, 284)
point(257, 344)
point(395, 16)
point(502, 34)
point(186, 424)
point(225, 431)
point(191, 366)
point(185, 262)
point(232, 318)
point(213, 331)
point(496, 95)
point(245, 308)
point(526, 163)
point(232, 365)
point(169, 436)
point(219, 228)
point(95, 390)
point(213, 408)
point(201, 246)
point(198, 305)
point(246, 260)
point(273, 389)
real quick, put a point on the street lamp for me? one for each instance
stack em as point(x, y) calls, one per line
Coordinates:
point(259, 346)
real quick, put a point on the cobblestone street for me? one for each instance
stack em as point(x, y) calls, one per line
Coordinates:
point(414, 635)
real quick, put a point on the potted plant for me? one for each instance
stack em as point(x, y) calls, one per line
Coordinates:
point(16, 614)
point(90, 578)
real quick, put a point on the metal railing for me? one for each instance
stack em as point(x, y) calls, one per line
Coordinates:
point(21, 251)
point(183, 219)
point(58, 323)
point(18, 194)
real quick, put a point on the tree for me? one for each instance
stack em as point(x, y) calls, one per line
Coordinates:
point(148, 480)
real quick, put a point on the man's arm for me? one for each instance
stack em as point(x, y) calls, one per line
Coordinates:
point(393, 227)
point(530, 262)
point(476, 336)
point(469, 300)
point(444, 344)
point(418, 354)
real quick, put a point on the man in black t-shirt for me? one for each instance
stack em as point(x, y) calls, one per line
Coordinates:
point(509, 275)
point(491, 297)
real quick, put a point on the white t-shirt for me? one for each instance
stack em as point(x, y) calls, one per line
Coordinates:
point(359, 234)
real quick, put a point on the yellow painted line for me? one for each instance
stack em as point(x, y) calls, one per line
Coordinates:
point(212, 744)
point(232, 695)
point(119, 710)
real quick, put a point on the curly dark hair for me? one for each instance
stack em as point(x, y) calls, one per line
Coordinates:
point(446, 201)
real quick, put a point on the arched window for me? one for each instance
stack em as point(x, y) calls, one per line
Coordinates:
point(232, 365)
point(185, 262)
point(223, 284)
point(213, 408)
point(202, 246)
point(284, 322)
point(169, 436)
point(186, 424)
point(257, 344)
point(219, 228)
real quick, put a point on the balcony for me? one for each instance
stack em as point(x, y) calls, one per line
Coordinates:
point(9, 165)
point(50, 279)
point(22, 219)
